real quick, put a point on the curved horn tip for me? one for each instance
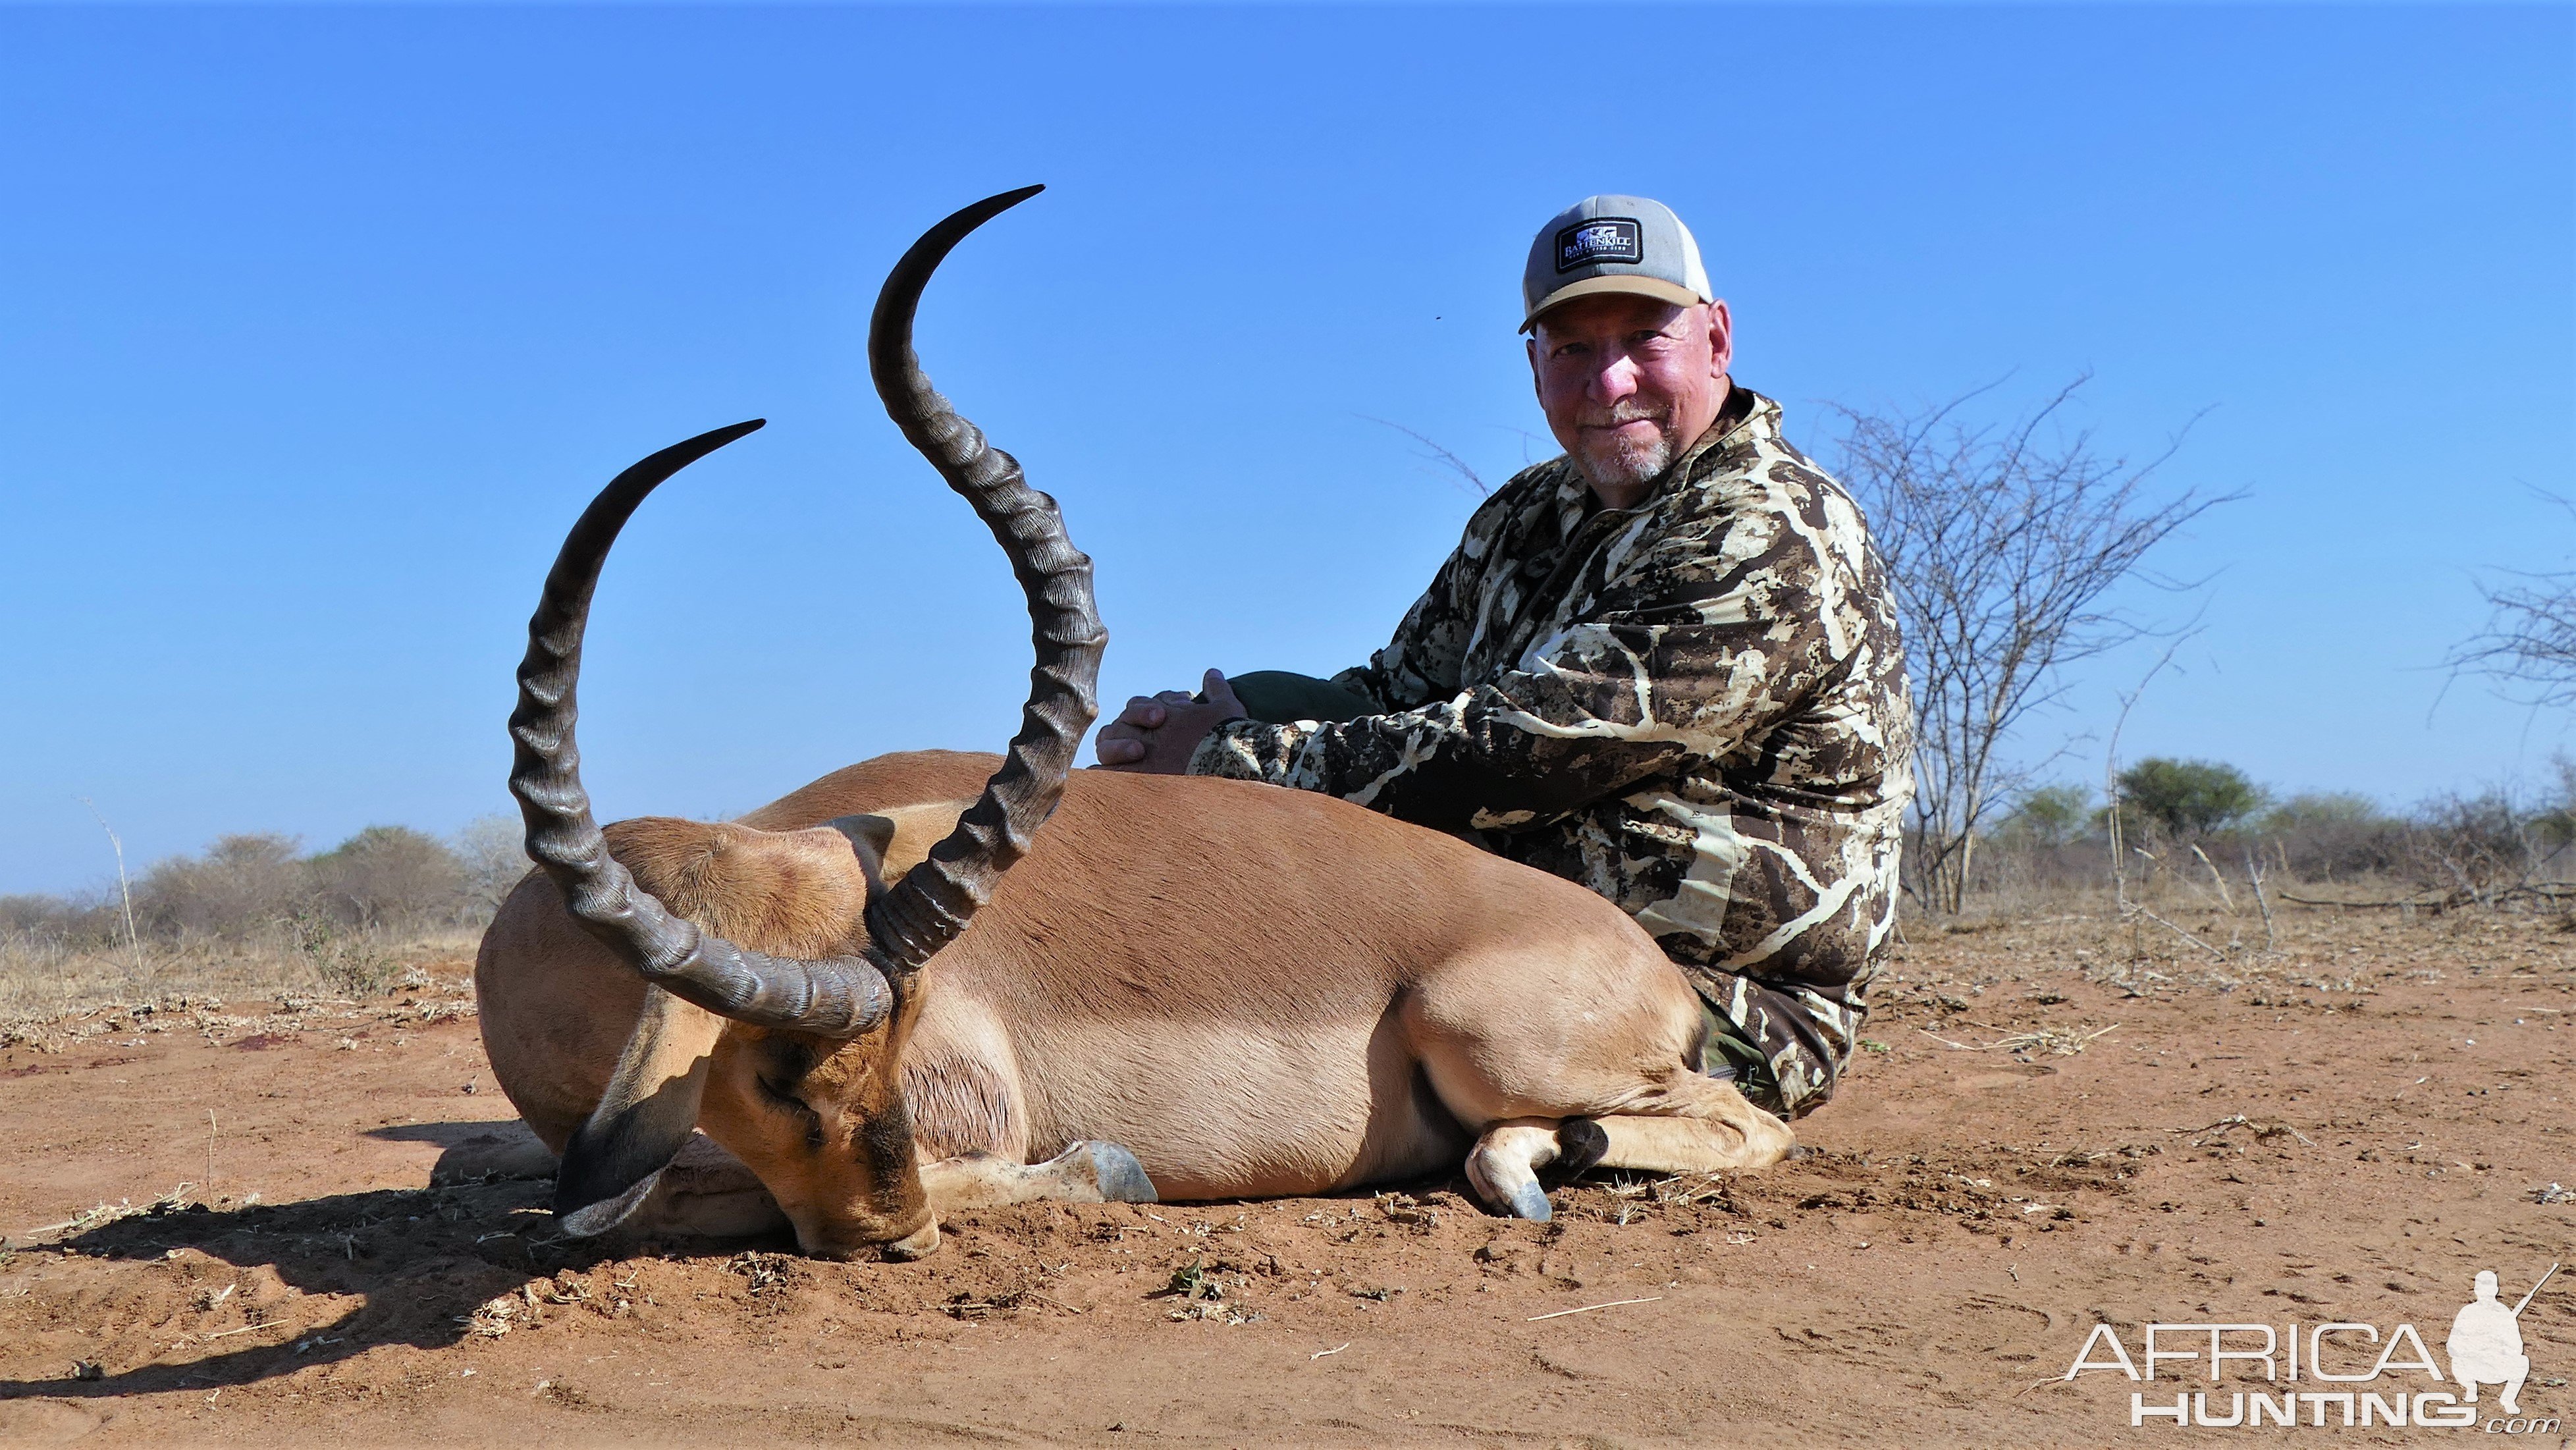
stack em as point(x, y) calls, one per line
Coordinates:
point(731, 431)
point(671, 460)
point(974, 214)
point(1003, 200)
point(654, 470)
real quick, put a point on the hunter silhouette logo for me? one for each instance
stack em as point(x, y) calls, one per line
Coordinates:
point(2486, 1343)
point(2360, 1376)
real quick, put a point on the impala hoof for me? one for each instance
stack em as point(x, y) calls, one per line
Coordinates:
point(1529, 1201)
point(1122, 1179)
point(1581, 1144)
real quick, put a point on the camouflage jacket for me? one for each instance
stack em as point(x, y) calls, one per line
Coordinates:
point(1696, 707)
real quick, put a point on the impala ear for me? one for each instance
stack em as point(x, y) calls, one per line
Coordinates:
point(642, 1121)
point(872, 837)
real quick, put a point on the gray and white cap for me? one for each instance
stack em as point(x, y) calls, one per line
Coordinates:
point(1612, 244)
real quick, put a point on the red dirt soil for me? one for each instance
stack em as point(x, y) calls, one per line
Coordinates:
point(2346, 1130)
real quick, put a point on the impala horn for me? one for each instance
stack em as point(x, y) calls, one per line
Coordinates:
point(838, 996)
point(933, 902)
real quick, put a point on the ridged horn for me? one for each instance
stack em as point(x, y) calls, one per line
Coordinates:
point(837, 997)
point(934, 901)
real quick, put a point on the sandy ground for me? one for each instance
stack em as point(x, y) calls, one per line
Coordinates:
point(2347, 1130)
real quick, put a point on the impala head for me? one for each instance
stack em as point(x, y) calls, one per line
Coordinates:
point(793, 936)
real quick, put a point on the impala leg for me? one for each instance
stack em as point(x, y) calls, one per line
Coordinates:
point(1504, 1166)
point(1087, 1172)
point(1711, 1128)
point(1674, 1145)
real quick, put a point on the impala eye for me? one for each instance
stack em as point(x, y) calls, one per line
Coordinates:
point(786, 1101)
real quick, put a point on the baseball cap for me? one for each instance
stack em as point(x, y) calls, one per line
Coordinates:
point(1612, 244)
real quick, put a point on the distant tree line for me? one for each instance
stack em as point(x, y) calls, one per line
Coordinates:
point(2197, 818)
point(254, 886)
point(2010, 545)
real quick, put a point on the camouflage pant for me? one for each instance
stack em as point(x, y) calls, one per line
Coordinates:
point(1770, 1040)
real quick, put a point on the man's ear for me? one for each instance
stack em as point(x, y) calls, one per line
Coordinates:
point(871, 837)
point(1721, 339)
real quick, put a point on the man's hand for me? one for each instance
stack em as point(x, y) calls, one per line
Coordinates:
point(1156, 736)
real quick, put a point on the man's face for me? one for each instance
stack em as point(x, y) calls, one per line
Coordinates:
point(1628, 383)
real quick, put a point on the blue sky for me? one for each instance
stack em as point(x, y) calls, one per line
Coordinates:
point(317, 326)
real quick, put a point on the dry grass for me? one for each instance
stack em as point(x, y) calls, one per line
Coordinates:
point(2189, 936)
point(43, 978)
point(2003, 958)
point(2230, 925)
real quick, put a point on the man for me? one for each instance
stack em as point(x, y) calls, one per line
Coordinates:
point(1665, 665)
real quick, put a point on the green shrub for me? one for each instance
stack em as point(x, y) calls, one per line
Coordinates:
point(2186, 797)
point(2053, 815)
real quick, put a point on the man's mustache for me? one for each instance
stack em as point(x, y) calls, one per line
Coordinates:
point(1622, 412)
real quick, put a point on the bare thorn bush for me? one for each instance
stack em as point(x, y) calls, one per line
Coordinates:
point(2529, 645)
point(2004, 542)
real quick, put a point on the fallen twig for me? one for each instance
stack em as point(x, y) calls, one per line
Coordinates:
point(1588, 1308)
point(2436, 904)
point(245, 1329)
point(2137, 910)
point(1336, 1349)
point(2254, 876)
point(2224, 894)
point(2260, 1129)
point(2064, 1044)
point(104, 1214)
point(2451, 901)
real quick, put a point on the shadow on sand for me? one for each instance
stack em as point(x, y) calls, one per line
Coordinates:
point(420, 1261)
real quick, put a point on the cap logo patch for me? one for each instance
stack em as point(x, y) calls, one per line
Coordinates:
point(1603, 239)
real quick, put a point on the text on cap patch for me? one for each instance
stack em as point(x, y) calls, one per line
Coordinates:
point(1603, 239)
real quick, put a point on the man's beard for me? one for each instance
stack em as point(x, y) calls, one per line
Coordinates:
point(1619, 460)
